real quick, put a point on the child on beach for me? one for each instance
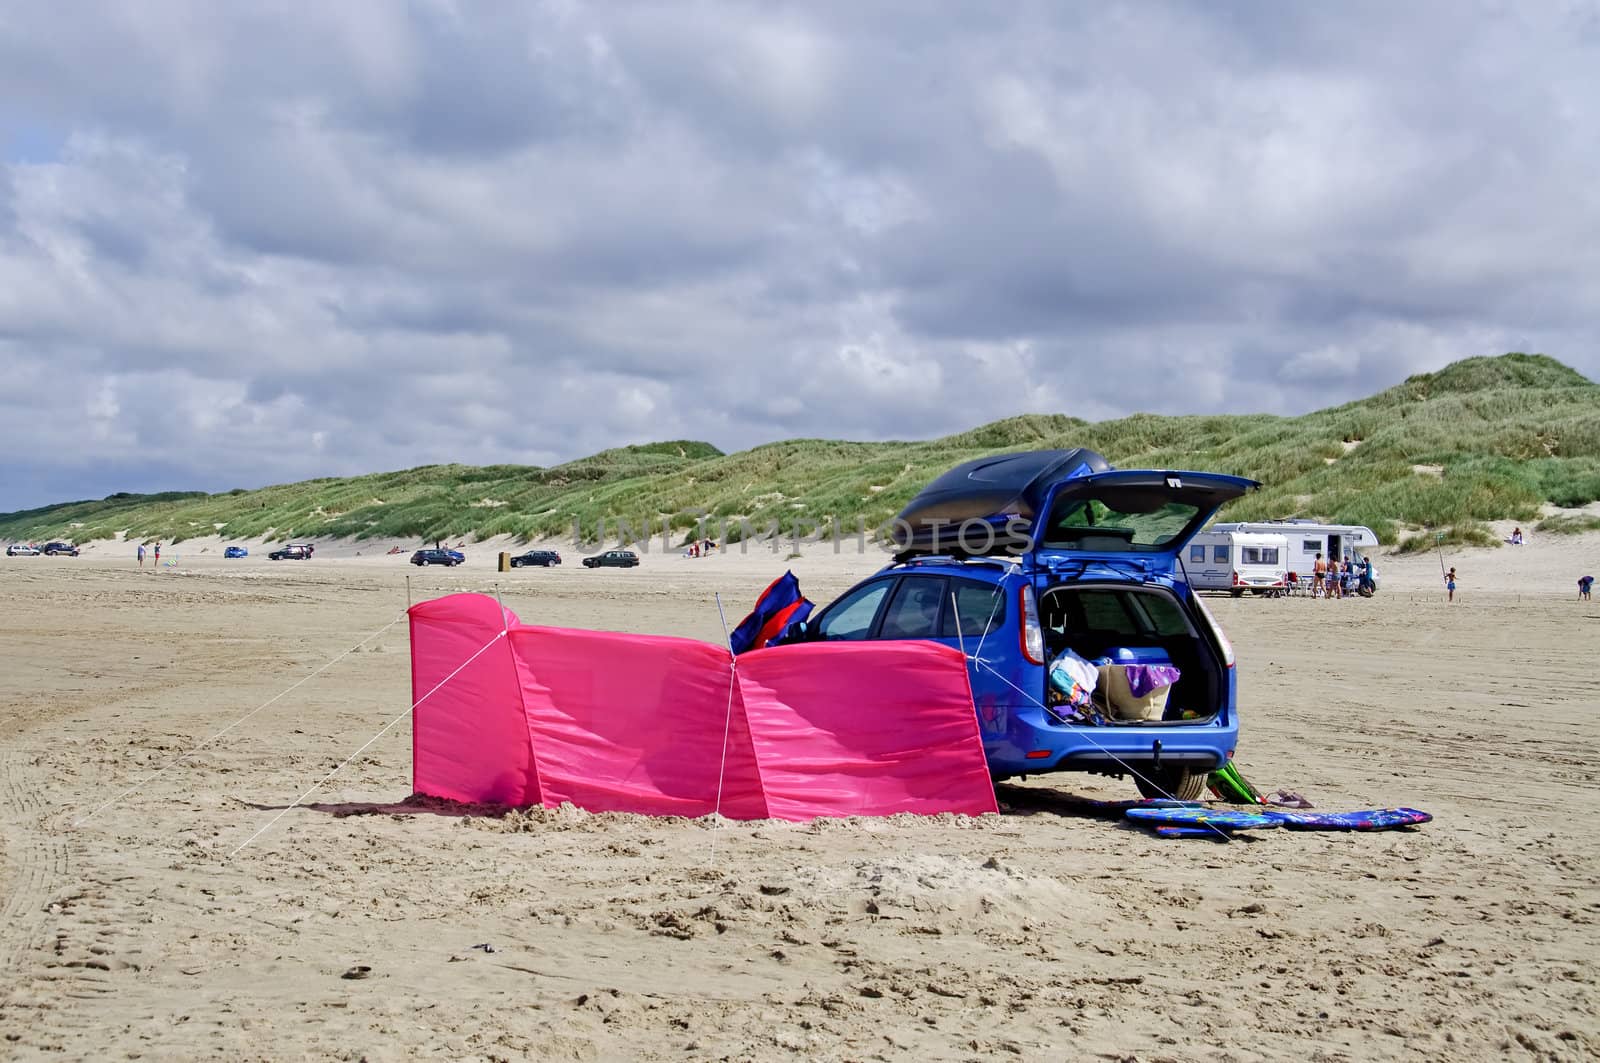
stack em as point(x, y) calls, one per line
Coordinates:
point(1584, 583)
point(1450, 584)
point(141, 555)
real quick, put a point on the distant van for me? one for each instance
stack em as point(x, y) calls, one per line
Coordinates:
point(1237, 561)
point(1308, 538)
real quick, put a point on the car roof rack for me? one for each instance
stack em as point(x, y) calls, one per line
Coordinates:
point(914, 557)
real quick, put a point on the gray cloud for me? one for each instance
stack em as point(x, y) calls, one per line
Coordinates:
point(249, 245)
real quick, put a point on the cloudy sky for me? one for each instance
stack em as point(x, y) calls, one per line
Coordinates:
point(257, 242)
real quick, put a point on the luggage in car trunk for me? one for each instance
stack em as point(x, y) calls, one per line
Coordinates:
point(1123, 702)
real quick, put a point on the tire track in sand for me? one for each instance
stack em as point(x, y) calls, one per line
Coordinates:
point(40, 865)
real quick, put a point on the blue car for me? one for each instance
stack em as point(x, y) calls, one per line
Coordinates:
point(1017, 558)
point(235, 551)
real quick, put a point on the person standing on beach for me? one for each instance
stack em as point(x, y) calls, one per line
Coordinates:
point(1319, 575)
point(1450, 584)
point(141, 555)
point(158, 555)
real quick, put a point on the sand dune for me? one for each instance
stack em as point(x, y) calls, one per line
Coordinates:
point(1041, 932)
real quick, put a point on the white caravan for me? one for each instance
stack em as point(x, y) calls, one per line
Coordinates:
point(1236, 561)
point(1308, 538)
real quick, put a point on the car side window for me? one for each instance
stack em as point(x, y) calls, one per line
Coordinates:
point(852, 616)
point(1105, 611)
point(981, 607)
point(914, 611)
point(1159, 614)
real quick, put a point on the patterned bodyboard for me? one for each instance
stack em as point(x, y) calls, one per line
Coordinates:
point(1367, 819)
point(1193, 832)
point(1203, 818)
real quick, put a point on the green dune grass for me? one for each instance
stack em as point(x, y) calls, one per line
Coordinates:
point(1482, 439)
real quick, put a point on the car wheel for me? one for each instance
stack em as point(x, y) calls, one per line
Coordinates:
point(1178, 783)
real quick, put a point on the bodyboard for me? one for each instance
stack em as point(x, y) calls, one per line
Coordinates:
point(1204, 818)
point(1193, 832)
point(1366, 819)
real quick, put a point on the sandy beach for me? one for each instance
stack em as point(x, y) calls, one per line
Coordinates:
point(1040, 933)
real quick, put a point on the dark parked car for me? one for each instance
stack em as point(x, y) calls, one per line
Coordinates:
point(542, 558)
point(64, 549)
point(292, 552)
point(612, 559)
point(236, 551)
point(437, 557)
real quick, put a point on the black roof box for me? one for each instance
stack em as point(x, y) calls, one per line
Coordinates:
point(992, 490)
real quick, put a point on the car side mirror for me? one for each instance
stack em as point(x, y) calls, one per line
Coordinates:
point(799, 631)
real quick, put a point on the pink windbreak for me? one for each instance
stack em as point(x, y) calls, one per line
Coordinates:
point(669, 726)
point(469, 739)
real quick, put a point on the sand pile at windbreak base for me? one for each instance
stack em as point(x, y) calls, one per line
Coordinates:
point(1035, 933)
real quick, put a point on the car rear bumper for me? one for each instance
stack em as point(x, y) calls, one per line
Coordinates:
point(1031, 743)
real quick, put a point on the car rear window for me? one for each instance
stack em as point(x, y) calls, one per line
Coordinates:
point(1125, 519)
point(981, 606)
point(914, 611)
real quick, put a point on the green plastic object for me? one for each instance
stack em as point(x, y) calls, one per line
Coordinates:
point(1229, 785)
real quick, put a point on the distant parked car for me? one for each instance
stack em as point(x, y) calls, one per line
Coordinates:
point(62, 549)
point(542, 558)
point(437, 557)
point(292, 552)
point(612, 559)
point(235, 551)
point(22, 550)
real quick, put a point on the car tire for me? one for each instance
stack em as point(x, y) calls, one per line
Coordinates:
point(1179, 783)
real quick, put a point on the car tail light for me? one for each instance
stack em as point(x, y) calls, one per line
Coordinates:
point(1236, 579)
point(1038, 754)
point(1031, 634)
